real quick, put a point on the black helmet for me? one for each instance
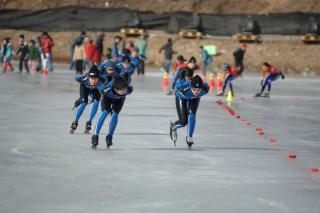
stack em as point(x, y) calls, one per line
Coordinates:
point(93, 72)
point(119, 82)
point(192, 60)
point(196, 82)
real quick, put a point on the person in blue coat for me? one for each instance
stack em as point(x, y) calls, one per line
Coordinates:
point(89, 84)
point(188, 95)
point(114, 95)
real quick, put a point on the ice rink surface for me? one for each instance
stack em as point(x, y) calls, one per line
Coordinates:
point(231, 168)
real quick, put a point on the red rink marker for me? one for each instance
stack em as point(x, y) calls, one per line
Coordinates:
point(273, 140)
point(292, 156)
point(238, 116)
point(261, 133)
point(258, 129)
point(314, 170)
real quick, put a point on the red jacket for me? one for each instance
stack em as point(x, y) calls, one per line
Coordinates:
point(46, 44)
point(93, 53)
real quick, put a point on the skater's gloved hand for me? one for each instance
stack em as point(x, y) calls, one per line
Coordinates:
point(106, 91)
point(282, 76)
point(261, 83)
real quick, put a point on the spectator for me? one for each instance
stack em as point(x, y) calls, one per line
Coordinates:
point(23, 50)
point(168, 52)
point(238, 57)
point(79, 57)
point(7, 53)
point(33, 56)
point(206, 61)
point(99, 44)
point(80, 39)
point(115, 52)
point(46, 43)
point(93, 54)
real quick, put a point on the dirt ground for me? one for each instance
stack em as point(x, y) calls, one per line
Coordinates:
point(160, 6)
point(285, 52)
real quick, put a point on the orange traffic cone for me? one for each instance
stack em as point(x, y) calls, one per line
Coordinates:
point(165, 81)
point(219, 83)
point(204, 79)
point(211, 81)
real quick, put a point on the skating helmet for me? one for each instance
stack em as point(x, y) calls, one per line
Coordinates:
point(225, 67)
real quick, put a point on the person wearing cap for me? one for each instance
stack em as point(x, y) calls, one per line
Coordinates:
point(230, 74)
point(274, 74)
point(185, 72)
point(114, 95)
point(89, 84)
point(188, 95)
point(239, 56)
point(206, 61)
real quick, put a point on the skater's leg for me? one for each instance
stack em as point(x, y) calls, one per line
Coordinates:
point(84, 93)
point(113, 123)
point(191, 124)
point(192, 109)
point(181, 106)
point(94, 110)
point(230, 85)
point(100, 121)
point(96, 97)
point(80, 110)
point(116, 108)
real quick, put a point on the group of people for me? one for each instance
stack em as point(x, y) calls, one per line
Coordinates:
point(182, 69)
point(110, 82)
point(33, 55)
point(85, 52)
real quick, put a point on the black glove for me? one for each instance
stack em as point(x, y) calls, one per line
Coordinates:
point(282, 76)
point(261, 83)
point(106, 91)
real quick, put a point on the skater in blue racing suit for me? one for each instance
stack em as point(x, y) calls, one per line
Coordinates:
point(114, 95)
point(89, 84)
point(188, 95)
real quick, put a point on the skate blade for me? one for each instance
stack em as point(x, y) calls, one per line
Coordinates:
point(71, 131)
point(86, 132)
point(94, 146)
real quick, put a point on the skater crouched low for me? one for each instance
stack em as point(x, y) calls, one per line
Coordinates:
point(113, 97)
point(188, 95)
point(274, 74)
point(89, 84)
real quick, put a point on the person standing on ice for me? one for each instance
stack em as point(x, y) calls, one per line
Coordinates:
point(188, 95)
point(274, 74)
point(239, 56)
point(114, 95)
point(89, 84)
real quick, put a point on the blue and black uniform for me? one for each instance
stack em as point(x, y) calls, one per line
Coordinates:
point(85, 90)
point(103, 71)
point(187, 103)
point(126, 72)
point(111, 103)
